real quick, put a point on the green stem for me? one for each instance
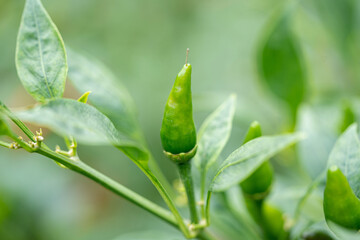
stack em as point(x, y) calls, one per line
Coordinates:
point(167, 199)
point(110, 184)
point(4, 144)
point(207, 209)
point(186, 178)
point(160, 175)
point(18, 123)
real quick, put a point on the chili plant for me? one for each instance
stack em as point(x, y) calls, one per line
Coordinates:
point(240, 184)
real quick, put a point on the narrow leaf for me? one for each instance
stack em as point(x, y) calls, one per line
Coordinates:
point(212, 137)
point(346, 156)
point(107, 94)
point(246, 159)
point(40, 54)
point(280, 64)
point(214, 134)
point(85, 123)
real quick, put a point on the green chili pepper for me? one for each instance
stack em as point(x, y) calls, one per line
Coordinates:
point(178, 134)
point(258, 184)
point(273, 222)
point(341, 205)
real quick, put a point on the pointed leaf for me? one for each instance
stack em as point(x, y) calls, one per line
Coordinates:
point(212, 137)
point(85, 123)
point(246, 159)
point(280, 64)
point(107, 94)
point(214, 134)
point(346, 156)
point(40, 54)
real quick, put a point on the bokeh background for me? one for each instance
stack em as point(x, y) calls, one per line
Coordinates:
point(144, 43)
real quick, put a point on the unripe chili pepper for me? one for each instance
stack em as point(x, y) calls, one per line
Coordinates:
point(341, 205)
point(273, 222)
point(178, 134)
point(257, 185)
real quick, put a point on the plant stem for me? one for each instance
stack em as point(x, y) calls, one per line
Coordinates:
point(18, 122)
point(167, 200)
point(186, 178)
point(110, 184)
point(4, 144)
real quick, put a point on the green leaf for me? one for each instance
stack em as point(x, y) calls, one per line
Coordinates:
point(246, 159)
point(343, 233)
point(107, 94)
point(338, 17)
point(213, 135)
point(346, 156)
point(85, 123)
point(40, 54)
point(320, 124)
point(280, 64)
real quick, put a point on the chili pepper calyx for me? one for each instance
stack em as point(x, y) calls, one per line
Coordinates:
point(181, 157)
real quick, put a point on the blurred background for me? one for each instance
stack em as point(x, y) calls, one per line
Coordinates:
point(144, 44)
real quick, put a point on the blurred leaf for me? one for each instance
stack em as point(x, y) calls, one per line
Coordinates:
point(107, 94)
point(213, 135)
point(346, 156)
point(85, 123)
point(246, 159)
point(343, 233)
point(320, 124)
point(40, 54)
point(280, 64)
point(338, 16)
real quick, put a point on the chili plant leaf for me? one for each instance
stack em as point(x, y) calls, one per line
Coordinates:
point(338, 17)
point(280, 65)
point(213, 135)
point(343, 233)
point(320, 124)
point(85, 123)
point(245, 160)
point(346, 156)
point(40, 54)
point(107, 94)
